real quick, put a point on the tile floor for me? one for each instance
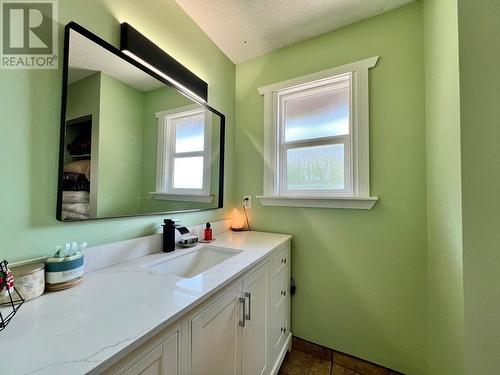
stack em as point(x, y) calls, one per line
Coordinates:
point(310, 359)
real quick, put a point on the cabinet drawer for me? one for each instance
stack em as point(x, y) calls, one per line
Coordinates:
point(279, 328)
point(279, 290)
point(281, 261)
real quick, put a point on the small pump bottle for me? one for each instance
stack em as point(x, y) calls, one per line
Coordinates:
point(208, 232)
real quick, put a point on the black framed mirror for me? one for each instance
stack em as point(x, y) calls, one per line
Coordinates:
point(132, 143)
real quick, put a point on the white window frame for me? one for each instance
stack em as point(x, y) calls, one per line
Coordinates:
point(357, 175)
point(166, 156)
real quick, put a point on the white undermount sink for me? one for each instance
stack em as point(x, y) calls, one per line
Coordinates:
point(194, 262)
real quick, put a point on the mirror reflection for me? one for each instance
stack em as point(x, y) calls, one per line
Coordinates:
point(132, 144)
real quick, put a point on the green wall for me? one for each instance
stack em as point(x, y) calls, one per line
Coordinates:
point(30, 115)
point(444, 200)
point(479, 41)
point(83, 98)
point(361, 275)
point(120, 148)
point(462, 96)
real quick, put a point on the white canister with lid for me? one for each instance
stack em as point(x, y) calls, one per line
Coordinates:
point(29, 280)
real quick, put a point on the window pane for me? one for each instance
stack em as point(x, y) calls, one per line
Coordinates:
point(315, 168)
point(188, 173)
point(189, 133)
point(318, 115)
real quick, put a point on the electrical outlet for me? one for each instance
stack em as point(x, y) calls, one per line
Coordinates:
point(247, 202)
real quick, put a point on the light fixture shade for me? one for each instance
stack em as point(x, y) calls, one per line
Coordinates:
point(237, 220)
point(136, 45)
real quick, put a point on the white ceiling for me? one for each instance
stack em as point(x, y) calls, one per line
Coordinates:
point(244, 29)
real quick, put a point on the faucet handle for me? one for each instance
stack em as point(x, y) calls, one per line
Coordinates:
point(174, 222)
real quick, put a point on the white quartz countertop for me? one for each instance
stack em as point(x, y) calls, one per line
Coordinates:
point(87, 328)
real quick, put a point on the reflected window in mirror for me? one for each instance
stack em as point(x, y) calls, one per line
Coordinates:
point(184, 152)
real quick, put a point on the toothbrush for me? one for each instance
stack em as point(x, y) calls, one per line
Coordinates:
point(65, 251)
point(82, 246)
point(74, 248)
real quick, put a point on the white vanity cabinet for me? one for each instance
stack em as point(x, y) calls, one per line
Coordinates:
point(241, 330)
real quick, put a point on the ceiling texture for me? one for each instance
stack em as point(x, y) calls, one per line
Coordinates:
point(245, 29)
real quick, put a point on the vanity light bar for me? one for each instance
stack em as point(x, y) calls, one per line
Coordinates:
point(144, 51)
point(160, 73)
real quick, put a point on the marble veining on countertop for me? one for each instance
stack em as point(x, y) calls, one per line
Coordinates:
point(87, 328)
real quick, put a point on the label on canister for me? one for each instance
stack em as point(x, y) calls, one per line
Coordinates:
point(63, 276)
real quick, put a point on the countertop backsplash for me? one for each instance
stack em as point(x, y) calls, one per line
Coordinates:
point(101, 256)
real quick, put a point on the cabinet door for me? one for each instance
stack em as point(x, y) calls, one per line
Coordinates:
point(162, 360)
point(170, 355)
point(254, 339)
point(215, 337)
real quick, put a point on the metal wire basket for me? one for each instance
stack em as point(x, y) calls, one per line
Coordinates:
point(14, 300)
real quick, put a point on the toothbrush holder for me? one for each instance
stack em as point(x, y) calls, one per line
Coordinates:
point(63, 273)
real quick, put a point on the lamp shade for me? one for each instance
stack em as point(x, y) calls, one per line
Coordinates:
point(237, 220)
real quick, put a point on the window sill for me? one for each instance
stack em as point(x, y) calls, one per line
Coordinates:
point(357, 203)
point(182, 197)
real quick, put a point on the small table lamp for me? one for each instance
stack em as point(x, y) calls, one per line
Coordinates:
point(237, 220)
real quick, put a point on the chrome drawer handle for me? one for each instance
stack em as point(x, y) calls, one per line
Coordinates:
point(249, 296)
point(242, 321)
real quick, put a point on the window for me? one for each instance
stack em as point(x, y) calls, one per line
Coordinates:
point(313, 135)
point(184, 152)
point(316, 139)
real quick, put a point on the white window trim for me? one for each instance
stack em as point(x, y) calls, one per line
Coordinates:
point(181, 197)
point(163, 165)
point(360, 197)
